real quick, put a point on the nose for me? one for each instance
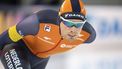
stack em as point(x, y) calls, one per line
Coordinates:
point(73, 31)
point(73, 28)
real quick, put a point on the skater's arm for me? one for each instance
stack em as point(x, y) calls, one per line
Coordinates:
point(88, 28)
point(28, 26)
point(4, 39)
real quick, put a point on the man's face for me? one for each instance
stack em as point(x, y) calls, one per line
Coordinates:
point(73, 32)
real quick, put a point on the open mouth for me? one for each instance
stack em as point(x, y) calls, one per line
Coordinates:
point(71, 35)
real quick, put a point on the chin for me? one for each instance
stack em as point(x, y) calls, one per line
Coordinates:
point(71, 38)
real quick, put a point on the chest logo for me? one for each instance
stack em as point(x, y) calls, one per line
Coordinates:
point(67, 46)
point(47, 28)
point(46, 39)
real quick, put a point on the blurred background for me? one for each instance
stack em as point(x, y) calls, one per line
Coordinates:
point(104, 15)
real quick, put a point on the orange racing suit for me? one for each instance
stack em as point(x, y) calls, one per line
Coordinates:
point(41, 34)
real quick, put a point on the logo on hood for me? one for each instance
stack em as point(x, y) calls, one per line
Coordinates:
point(74, 15)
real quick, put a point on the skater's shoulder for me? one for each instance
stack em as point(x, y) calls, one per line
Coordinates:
point(48, 16)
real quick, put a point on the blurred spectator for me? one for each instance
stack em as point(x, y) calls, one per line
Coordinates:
point(10, 2)
point(49, 2)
